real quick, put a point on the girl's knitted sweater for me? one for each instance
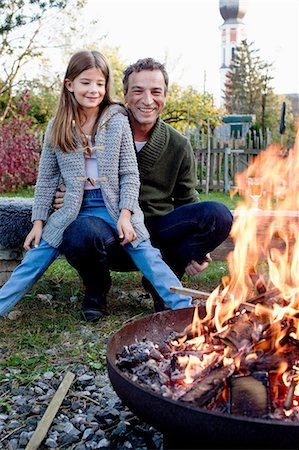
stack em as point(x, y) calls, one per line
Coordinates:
point(117, 171)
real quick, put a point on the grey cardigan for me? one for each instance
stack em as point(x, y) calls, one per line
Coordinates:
point(117, 170)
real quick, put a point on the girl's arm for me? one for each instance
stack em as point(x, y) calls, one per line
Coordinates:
point(47, 182)
point(34, 236)
point(125, 228)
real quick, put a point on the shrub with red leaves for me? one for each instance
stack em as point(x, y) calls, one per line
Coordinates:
point(20, 148)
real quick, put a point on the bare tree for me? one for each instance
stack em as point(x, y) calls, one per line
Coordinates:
point(20, 25)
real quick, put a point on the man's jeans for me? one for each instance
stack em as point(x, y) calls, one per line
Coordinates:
point(188, 233)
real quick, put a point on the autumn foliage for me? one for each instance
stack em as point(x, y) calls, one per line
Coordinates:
point(19, 149)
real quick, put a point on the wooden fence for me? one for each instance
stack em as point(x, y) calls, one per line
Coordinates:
point(219, 162)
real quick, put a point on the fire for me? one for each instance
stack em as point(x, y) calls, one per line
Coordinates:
point(266, 239)
point(265, 263)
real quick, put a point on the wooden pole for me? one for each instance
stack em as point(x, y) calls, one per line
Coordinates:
point(192, 292)
point(45, 422)
point(208, 158)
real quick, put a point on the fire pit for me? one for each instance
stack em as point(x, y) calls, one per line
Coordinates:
point(185, 426)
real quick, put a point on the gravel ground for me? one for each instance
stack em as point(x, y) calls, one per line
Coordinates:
point(90, 417)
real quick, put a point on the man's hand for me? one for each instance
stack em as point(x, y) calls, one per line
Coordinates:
point(194, 268)
point(58, 201)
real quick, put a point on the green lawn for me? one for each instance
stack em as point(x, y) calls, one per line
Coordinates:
point(26, 191)
point(222, 197)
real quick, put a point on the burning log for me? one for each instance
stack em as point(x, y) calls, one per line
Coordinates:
point(250, 395)
point(268, 299)
point(288, 401)
point(258, 281)
point(243, 330)
point(205, 390)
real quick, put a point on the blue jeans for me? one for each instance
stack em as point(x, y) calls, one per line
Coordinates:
point(34, 264)
point(91, 241)
point(187, 233)
point(190, 232)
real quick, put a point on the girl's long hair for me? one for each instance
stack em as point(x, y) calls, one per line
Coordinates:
point(66, 127)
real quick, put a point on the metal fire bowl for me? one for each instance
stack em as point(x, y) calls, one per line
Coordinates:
point(183, 425)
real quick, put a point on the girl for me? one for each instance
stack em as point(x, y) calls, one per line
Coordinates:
point(89, 145)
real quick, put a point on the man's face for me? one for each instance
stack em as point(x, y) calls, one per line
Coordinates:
point(146, 96)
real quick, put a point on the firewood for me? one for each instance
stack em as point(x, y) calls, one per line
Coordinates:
point(263, 298)
point(258, 281)
point(288, 401)
point(205, 390)
point(250, 395)
point(243, 330)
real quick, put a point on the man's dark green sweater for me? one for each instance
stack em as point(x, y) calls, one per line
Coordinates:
point(167, 171)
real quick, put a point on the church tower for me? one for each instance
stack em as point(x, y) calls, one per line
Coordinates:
point(232, 34)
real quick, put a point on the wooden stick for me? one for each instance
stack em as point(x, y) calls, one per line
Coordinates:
point(198, 294)
point(288, 401)
point(45, 422)
point(192, 292)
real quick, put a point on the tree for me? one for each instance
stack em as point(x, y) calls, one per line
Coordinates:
point(249, 91)
point(42, 99)
point(248, 82)
point(118, 67)
point(186, 108)
point(20, 24)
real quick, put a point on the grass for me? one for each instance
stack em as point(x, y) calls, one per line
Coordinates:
point(49, 333)
point(222, 197)
point(26, 191)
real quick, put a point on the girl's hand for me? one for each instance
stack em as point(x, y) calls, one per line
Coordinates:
point(125, 229)
point(34, 235)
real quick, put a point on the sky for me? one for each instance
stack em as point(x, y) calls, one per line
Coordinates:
point(185, 35)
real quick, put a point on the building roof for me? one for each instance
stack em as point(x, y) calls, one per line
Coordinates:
point(232, 9)
point(239, 118)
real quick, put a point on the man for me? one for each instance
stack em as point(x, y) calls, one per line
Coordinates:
point(184, 229)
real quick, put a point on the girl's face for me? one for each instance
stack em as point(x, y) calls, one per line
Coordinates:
point(89, 88)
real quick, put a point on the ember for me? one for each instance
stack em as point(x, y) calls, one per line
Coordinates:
point(246, 346)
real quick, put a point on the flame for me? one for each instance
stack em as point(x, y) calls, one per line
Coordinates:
point(265, 260)
point(267, 240)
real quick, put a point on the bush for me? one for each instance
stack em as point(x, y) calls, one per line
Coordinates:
point(19, 150)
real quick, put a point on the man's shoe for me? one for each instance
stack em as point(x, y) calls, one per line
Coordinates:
point(159, 304)
point(94, 308)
